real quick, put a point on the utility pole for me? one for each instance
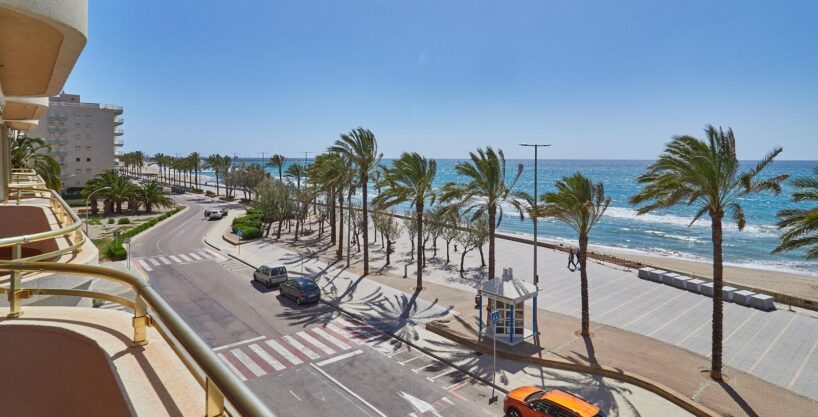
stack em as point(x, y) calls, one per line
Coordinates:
point(534, 219)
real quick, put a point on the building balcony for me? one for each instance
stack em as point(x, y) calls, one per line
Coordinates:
point(94, 362)
point(118, 132)
point(116, 109)
point(119, 142)
point(118, 121)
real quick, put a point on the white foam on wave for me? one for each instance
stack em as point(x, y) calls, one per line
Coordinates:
point(672, 219)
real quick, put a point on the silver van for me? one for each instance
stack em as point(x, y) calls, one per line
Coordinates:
point(270, 274)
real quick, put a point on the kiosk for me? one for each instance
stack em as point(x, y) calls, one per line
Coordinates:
point(507, 296)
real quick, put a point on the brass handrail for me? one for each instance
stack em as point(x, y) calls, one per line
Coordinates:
point(62, 211)
point(219, 383)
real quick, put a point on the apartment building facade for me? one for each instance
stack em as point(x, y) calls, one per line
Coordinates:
point(84, 137)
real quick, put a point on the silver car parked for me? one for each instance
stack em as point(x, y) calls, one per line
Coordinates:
point(270, 274)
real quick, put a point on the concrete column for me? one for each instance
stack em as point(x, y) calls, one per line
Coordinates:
point(5, 162)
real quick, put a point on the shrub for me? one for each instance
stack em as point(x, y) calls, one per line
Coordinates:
point(250, 233)
point(210, 193)
point(116, 251)
point(111, 221)
point(124, 220)
point(195, 190)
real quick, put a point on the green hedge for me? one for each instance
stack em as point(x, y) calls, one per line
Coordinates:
point(117, 252)
point(250, 225)
point(210, 193)
point(124, 220)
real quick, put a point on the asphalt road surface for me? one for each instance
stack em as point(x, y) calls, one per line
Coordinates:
point(300, 360)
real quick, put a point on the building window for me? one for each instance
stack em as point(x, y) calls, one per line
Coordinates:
point(78, 148)
point(87, 114)
point(87, 159)
point(77, 113)
point(88, 148)
point(76, 137)
point(88, 125)
point(87, 137)
point(78, 159)
point(77, 125)
point(88, 170)
point(78, 171)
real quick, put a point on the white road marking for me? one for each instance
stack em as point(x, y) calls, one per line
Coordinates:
point(315, 342)
point(803, 364)
point(185, 258)
point(266, 357)
point(144, 265)
point(164, 260)
point(419, 405)
point(424, 367)
point(252, 366)
point(770, 347)
point(432, 379)
point(666, 323)
point(340, 357)
point(296, 397)
point(204, 254)
point(320, 332)
point(410, 360)
point(153, 261)
point(281, 350)
point(301, 348)
point(447, 400)
point(345, 333)
point(349, 391)
point(457, 385)
point(232, 368)
point(254, 339)
point(215, 254)
point(174, 259)
point(195, 256)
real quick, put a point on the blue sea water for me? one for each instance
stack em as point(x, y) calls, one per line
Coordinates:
point(667, 232)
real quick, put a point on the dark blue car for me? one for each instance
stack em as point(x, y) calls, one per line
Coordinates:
point(301, 290)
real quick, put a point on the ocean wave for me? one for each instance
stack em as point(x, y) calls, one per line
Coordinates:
point(672, 219)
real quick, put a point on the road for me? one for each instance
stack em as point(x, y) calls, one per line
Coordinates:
point(300, 360)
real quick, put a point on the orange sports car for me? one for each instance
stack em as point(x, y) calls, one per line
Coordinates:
point(534, 402)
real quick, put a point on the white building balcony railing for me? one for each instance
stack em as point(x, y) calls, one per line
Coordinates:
point(119, 142)
point(118, 132)
point(118, 121)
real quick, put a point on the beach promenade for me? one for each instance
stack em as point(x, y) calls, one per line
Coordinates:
point(673, 363)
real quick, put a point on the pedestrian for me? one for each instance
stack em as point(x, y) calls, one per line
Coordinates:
point(571, 264)
point(578, 263)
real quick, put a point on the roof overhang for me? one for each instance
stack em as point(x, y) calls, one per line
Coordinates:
point(40, 41)
point(24, 108)
point(21, 124)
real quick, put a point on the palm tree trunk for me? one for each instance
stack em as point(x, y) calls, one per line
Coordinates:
point(583, 277)
point(492, 225)
point(364, 180)
point(388, 251)
point(718, 284)
point(419, 214)
point(340, 252)
point(331, 198)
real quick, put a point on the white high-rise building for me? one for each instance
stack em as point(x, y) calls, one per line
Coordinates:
point(84, 137)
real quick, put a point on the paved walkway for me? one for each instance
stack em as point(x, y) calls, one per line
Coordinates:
point(401, 312)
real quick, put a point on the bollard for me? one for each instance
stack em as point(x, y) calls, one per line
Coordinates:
point(405, 270)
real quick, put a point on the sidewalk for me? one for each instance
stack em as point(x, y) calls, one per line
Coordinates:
point(400, 311)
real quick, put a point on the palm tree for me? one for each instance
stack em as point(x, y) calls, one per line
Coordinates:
point(410, 178)
point(579, 203)
point(150, 194)
point(801, 226)
point(220, 165)
point(278, 161)
point(296, 171)
point(32, 153)
point(691, 171)
point(114, 186)
point(196, 165)
point(487, 188)
point(361, 148)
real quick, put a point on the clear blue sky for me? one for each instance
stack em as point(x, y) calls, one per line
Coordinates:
point(597, 79)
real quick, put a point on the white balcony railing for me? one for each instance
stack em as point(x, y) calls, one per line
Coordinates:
point(118, 132)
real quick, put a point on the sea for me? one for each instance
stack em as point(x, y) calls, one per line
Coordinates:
point(667, 232)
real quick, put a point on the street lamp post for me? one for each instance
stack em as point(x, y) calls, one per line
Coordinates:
point(534, 219)
point(87, 208)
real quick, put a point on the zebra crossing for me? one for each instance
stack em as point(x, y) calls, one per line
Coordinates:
point(258, 357)
point(148, 263)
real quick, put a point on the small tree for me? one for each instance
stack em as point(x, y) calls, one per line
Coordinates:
point(410, 222)
point(449, 230)
point(390, 229)
point(474, 235)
